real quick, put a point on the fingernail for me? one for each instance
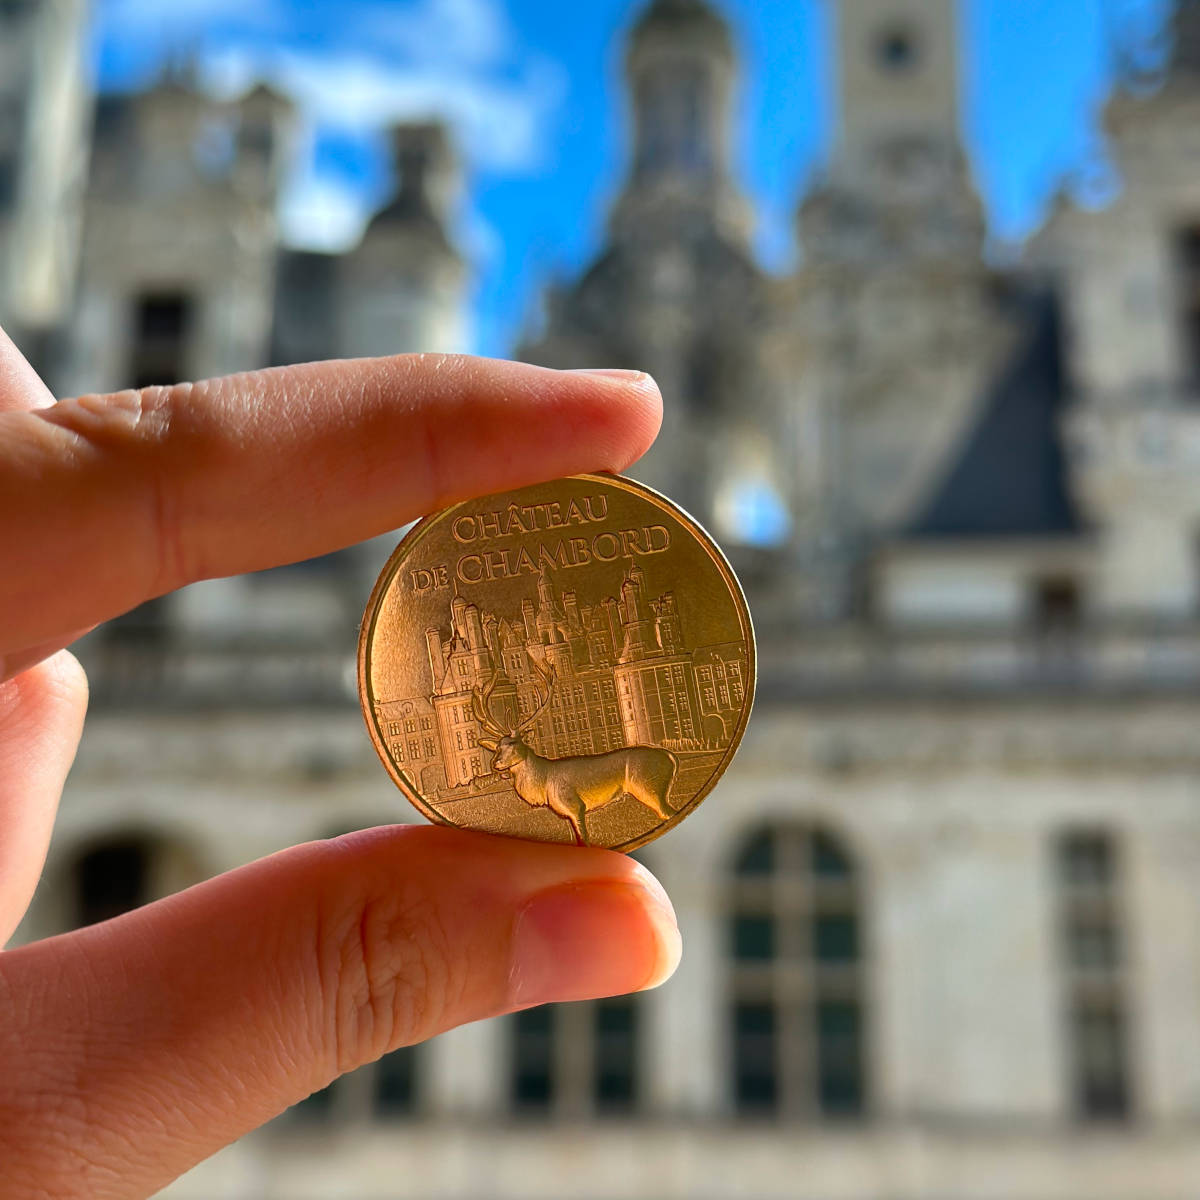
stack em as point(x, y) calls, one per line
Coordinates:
point(582, 941)
point(613, 373)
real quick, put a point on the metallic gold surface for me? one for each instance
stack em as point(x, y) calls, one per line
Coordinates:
point(572, 661)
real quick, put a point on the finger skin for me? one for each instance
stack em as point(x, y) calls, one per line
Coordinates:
point(108, 500)
point(135, 1048)
point(41, 713)
point(20, 387)
point(41, 719)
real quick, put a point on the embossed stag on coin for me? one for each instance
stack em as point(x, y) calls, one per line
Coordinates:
point(570, 662)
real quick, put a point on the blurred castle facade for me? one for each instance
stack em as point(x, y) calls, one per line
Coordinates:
point(942, 918)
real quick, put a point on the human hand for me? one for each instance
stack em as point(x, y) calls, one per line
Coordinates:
point(133, 1049)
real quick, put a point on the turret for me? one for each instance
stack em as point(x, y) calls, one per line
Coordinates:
point(264, 122)
point(402, 288)
point(428, 179)
point(458, 617)
point(437, 664)
point(681, 70)
point(633, 594)
point(666, 612)
point(474, 628)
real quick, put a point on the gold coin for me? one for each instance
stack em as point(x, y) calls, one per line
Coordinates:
point(569, 662)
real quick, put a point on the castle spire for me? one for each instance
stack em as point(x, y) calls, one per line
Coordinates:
point(680, 71)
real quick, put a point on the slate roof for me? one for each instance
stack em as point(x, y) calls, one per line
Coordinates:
point(1009, 479)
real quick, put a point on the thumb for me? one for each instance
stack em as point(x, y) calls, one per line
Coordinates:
point(135, 1048)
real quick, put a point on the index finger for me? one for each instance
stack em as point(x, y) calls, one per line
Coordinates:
point(106, 501)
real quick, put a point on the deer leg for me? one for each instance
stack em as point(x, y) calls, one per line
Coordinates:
point(578, 819)
point(654, 802)
point(572, 810)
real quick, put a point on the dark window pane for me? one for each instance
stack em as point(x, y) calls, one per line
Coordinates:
point(1101, 1072)
point(162, 322)
point(836, 938)
point(147, 624)
point(533, 1058)
point(839, 1058)
point(163, 316)
point(754, 1019)
point(1189, 275)
point(8, 179)
point(838, 1018)
point(758, 855)
point(615, 1051)
point(828, 861)
point(316, 1108)
point(110, 880)
point(755, 1073)
point(617, 1016)
point(1057, 603)
point(840, 1091)
point(395, 1083)
point(1092, 943)
point(753, 937)
point(1086, 859)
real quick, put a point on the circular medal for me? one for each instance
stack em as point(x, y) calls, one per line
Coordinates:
point(569, 662)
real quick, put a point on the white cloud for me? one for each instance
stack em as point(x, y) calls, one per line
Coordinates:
point(172, 25)
point(499, 125)
point(466, 31)
point(321, 212)
point(359, 66)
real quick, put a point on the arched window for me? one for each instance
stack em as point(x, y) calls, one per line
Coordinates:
point(112, 878)
point(124, 870)
point(1093, 957)
point(576, 1059)
point(795, 939)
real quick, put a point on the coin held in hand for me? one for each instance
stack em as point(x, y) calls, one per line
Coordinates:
point(568, 662)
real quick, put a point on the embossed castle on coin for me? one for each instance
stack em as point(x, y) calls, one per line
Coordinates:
point(560, 681)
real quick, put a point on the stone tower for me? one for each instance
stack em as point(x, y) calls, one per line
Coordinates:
point(1130, 277)
point(45, 102)
point(180, 237)
point(895, 307)
point(401, 289)
point(680, 72)
point(676, 291)
point(898, 73)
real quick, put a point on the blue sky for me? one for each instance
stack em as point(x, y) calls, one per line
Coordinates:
point(532, 91)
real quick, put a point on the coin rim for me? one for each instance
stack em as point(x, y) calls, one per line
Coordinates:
point(405, 547)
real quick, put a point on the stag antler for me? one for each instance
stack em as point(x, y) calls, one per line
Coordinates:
point(546, 674)
point(481, 707)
